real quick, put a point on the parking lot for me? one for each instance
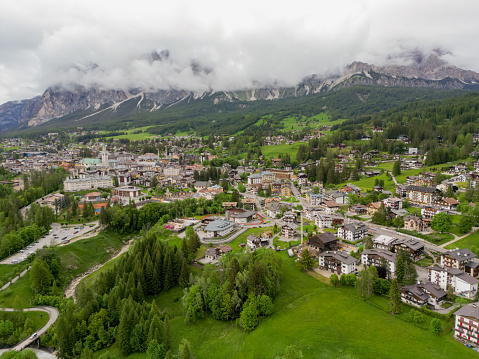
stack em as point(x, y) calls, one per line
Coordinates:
point(57, 235)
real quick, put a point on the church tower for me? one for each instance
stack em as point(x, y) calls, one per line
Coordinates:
point(104, 157)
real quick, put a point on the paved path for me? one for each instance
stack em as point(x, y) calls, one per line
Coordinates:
point(53, 316)
point(15, 279)
point(70, 291)
point(458, 238)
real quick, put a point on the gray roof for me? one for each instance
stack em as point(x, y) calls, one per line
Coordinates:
point(467, 278)
point(417, 291)
point(449, 270)
point(219, 225)
point(470, 310)
point(434, 289)
point(356, 227)
point(422, 189)
point(414, 244)
point(462, 254)
point(382, 253)
point(243, 214)
point(340, 256)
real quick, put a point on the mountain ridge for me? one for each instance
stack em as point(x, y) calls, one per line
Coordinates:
point(425, 71)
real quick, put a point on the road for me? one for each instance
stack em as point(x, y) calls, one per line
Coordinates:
point(57, 235)
point(53, 316)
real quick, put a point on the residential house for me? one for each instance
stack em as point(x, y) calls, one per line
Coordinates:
point(383, 242)
point(427, 294)
point(461, 259)
point(376, 257)
point(323, 242)
point(330, 206)
point(353, 232)
point(413, 223)
point(462, 283)
point(373, 207)
point(288, 230)
point(358, 209)
point(466, 325)
point(414, 247)
point(255, 243)
point(337, 262)
point(422, 195)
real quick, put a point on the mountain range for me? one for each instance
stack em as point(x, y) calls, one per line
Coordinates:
point(79, 102)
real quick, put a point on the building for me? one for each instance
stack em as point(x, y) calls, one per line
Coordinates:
point(249, 203)
point(353, 232)
point(427, 294)
point(337, 262)
point(288, 230)
point(466, 325)
point(393, 203)
point(93, 196)
point(239, 215)
point(383, 242)
point(376, 257)
point(285, 190)
point(254, 179)
point(323, 242)
point(255, 243)
point(414, 223)
point(458, 258)
point(219, 228)
point(414, 247)
point(127, 193)
point(85, 183)
point(422, 195)
point(373, 207)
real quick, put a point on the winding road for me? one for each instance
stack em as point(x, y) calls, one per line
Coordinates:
point(53, 316)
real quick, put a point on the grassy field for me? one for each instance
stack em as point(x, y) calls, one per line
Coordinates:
point(18, 294)
point(77, 257)
point(466, 242)
point(324, 321)
point(134, 136)
point(367, 183)
point(275, 150)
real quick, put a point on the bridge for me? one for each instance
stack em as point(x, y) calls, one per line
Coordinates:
point(53, 316)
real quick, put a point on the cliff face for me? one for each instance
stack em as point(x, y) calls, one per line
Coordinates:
point(417, 71)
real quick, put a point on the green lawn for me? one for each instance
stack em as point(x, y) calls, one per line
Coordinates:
point(18, 294)
point(242, 238)
point(367, 183)
point(324, 321)
point(134, 136)
point(78, 257)
point(466, 242)
point(275, 150)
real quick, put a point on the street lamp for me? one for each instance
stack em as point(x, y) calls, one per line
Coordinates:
point(30, 299)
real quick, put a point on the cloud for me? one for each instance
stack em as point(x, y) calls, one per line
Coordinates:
point(215, 44)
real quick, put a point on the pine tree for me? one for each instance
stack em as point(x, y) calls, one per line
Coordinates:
point(124, 330)
point(169, 276)
point(397, 168)
point(166, 333)
point(184, 274)
point(400, 269)
point(395, 297)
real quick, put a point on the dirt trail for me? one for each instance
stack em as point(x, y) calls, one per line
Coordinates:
point(70, 291)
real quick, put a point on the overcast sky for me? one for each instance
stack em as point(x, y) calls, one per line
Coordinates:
point(236, 43)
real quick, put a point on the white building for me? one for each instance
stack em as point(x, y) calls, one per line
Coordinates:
point(467, 323)
point(374, 257)
point(127, 193)
point(353, 232)
point(92, 182)
point(462, 283)
point(219, 228)
point(337, 262)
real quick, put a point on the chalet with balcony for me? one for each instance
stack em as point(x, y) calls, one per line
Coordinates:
point(414, 247)
point(376, 257)
point(461, 259)
point(353, 232)
point(422, 195)
point(337, 262)
point(323, 242)
point(427, 294)
point(466, 325)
